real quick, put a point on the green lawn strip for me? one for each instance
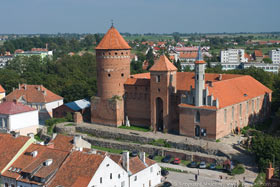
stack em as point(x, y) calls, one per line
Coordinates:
point(110, 150)
point(237, 170)
point(69, 124)
point(142, 129)
point(260, 180)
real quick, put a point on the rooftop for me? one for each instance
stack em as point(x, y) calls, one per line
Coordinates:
point(10, 146)
point(113, 40)
point(79, 166)
point(78, 105)
point(230, 89)
point(10, 108)
point(163, 64)
point(33, 94)
point(34, 161)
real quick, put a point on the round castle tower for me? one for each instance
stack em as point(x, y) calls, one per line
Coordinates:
point(113, 64)
point(113, 69)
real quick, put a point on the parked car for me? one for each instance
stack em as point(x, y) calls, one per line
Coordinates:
point(176, 161)
point(166, 159)
point(134, 153)
point(212, 166)
point(166, 184)
point(164, 172)
point(202, 165)
point(192, 165)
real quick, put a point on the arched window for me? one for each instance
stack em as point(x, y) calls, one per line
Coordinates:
point(197, 117)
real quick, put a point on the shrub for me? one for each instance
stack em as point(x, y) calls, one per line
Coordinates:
point(237, 170)
point(51, 123)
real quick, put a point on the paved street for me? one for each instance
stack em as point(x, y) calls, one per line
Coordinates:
point(188, 180)
point(206, 177)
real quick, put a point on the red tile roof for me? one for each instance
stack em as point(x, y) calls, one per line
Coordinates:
point(28, 164)
point(230, 90)
point(181, 49)
point(9, 147)
point(10, 108)
point(33, 94)
point(189, 55)
point(77, 165)
point(135, 164)
point(2, 90)
point(113, 40)
point(137, 82)
point(62, 142)
point(258, 53)
point(163, 64)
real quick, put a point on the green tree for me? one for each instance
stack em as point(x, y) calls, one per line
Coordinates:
point(267, 60)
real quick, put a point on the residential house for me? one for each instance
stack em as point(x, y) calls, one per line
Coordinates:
point(82, 169)
point(38, 97)
point(18, 117)
point(142, 171)
point(258, 56)
point(36, 166)
point(4, 59)
point(11, 146)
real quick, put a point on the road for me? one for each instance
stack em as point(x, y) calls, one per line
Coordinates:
point(205, 178)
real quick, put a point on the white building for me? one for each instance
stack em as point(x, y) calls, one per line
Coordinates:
point(19, 118)
point(233, 56)
point(274, 55)
point(142, 171)
point(272, 68)
point(38, 97)
point(88, 169)
point(5, 59)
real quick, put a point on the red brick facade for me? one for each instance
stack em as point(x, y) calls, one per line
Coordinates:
point(159, 99)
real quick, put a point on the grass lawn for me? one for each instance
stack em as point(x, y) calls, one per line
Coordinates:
point(69, 124)
point(260, 180)
point(142, 129)
point(117, 151)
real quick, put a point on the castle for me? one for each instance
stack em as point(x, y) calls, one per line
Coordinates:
point(193, 104)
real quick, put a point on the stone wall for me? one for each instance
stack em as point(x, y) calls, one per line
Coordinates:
point(150, 149)
point(145, 140)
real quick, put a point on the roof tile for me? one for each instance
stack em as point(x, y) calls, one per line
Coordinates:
point(163, 64)
point(113, 40)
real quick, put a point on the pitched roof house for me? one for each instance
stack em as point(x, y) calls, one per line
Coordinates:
point(35, 166)
point(36, 96)
point(18, 117)
point(85, 169)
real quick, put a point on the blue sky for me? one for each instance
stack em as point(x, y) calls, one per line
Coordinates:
point(139, 16)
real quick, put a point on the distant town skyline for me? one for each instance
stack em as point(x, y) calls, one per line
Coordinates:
point(139, 16)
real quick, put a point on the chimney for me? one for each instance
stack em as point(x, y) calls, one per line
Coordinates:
point(31, 135)
point(39, 88)
point(142, 157)
point(25, 87)
point(220, 77)
point(125, 160)
point(15, 100)
point(19, 86)
point(44, 92)
point(54, 135)
point(77, 139)
point(269, 171)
